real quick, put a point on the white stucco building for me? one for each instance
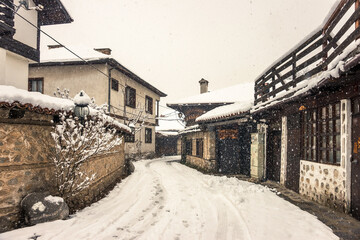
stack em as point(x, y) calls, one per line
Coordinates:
point(129, 97)
point(20, 36)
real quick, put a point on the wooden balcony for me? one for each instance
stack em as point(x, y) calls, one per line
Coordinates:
point(312, 56)
point(6, 18)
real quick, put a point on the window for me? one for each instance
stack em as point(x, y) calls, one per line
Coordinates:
point(148, 135)
point(188, 147)
point(130, 138)
point(199, 148)
point(130, 97)
point(148, 105)
point(114, 84)
point(36, 85)
point(321, 134)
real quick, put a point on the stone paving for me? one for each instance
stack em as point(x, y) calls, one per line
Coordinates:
point(343, 225)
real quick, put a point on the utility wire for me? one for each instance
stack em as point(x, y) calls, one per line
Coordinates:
point(72, 52)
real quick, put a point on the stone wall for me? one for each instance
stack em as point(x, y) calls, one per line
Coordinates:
point(208, 162)
point(323, 183)
point(25, 167)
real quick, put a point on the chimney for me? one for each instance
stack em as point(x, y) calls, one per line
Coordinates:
point(203, 86)
point(106, 51)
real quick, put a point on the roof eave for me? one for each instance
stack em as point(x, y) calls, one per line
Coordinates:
point(112, 62)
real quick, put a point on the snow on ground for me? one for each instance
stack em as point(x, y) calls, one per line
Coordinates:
point(163, 199)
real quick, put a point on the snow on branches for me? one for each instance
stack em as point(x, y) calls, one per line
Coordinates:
point(75, 143)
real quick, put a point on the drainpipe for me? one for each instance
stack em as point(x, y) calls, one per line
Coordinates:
point(109, 88)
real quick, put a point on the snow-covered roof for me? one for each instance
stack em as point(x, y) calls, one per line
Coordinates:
point(168, 133)
point(226, 111)
point(170, 121)
point(98, 60)
point(193, 128)
point(237, 93)
point(11, 96)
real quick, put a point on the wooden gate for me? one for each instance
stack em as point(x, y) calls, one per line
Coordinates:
point(228, 152)
point(355, 165)
point(233, 150)
point(273, 155)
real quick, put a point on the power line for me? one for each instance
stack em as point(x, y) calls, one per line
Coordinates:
point(72, 52)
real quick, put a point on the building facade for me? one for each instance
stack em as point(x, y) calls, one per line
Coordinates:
point(217, 136)
point(308, 106)
point(20, 36)
point(129, 98)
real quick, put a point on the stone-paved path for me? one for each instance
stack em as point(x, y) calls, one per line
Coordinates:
point(343, 225)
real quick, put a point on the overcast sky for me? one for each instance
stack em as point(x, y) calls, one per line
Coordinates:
point(172, 44)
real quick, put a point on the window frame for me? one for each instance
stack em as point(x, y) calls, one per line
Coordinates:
point(114, 84)
point(148, 135)
point(37, 80)
point(321, 134)
point(130, 97)
point(188, 147)
point(149, 104)
point(130, 138)
point(199, 148)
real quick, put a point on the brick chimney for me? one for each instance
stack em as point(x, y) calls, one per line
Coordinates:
point(203, 86)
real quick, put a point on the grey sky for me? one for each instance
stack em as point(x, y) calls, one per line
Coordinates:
point(174, 43)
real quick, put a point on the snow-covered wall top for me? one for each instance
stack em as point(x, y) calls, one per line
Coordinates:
point(237, 93)
point(226, 111)
point(11, 95)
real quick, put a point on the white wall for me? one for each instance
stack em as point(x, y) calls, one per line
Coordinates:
point(95, 84)
point(13, 70)
point(26, 33)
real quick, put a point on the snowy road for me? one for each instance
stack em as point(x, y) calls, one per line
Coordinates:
point(163, 199)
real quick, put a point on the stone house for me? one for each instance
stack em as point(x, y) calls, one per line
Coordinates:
point(129, 97)
point(217, 136)
point(307, 104)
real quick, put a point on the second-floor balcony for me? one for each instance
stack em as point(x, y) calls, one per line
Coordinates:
point(6, 18)
point(319, 56)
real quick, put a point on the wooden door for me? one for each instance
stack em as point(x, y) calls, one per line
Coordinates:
point(355, 161)
point(273, 156)
point(244, 150)
point(228, 152)
point(293, 153)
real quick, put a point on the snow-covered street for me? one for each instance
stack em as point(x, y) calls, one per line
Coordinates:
point(164, 199)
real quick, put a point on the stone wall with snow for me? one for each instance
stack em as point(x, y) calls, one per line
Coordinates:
point(25, 167)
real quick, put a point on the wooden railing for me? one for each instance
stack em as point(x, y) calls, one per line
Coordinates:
point(313, 55)
point(6, 18)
